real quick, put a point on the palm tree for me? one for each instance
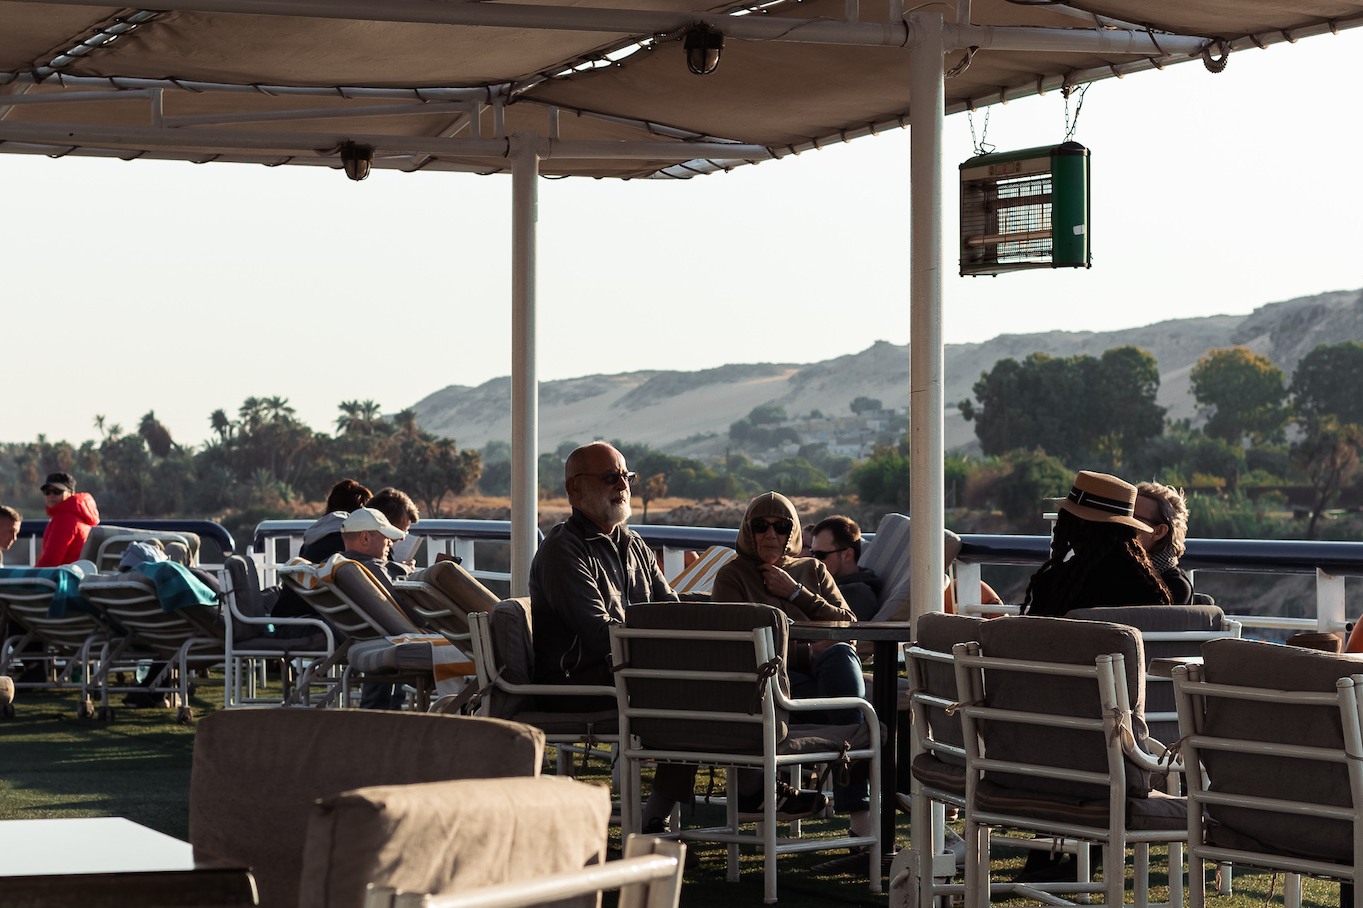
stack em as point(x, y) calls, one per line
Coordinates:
point(220, 423)
point(155, 435)
point(369, 411)
point(349, 420)
point(252, 412)
point(278, 409)
point(99, 423)
point(405, 420)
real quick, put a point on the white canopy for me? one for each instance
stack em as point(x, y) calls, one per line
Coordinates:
point(557, 87)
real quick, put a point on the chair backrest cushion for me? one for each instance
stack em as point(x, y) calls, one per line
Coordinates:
point(888, 556)
point(1062, 640)
point(257, 773)
point(513, 650)
point(702, 655)
point(104, 532)
point(444, 836)
point(1159, 698)
point(1251, 663)
point(939, 632)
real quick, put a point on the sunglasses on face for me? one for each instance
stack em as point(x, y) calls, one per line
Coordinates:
point(760, 525)
point(823, 556)
point(612, 478)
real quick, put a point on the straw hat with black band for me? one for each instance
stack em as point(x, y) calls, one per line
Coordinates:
point(1102, 498)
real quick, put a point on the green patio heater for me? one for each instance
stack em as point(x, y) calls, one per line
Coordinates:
point(1025, 209)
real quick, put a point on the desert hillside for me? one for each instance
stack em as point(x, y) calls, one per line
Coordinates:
point(689, 413)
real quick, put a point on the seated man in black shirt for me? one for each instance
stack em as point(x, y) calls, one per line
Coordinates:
point(837, 543)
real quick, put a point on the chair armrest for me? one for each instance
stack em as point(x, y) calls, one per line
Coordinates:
point(579, 690)
point(1147, 761)
point(811, 703)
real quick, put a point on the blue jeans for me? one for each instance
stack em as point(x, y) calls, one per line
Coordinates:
point(836, 672)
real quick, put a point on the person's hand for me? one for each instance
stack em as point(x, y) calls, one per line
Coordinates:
point(777, 581)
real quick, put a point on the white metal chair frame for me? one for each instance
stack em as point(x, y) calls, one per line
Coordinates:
point(71, 639)
point(239, 681)
point(770, 762)
point(1192, 693)
point(1230, 628)
point(934, 864)
point(434, 607)
point(170, 636)
point(648, 876)
point(1109, 673)
point(488, 673)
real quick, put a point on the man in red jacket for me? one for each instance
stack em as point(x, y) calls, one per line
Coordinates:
point(71, 515)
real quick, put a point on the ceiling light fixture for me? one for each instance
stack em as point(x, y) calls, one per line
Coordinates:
point(356, 159)
point(703, 45)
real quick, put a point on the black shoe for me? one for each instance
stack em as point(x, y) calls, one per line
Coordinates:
point(1044, 867)
point(791, 803)
point(146, 700)
point(856, 861)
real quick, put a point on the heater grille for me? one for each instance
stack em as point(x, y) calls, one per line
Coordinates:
point(1026, 209)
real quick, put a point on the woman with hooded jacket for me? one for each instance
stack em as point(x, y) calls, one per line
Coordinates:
point(769, 571)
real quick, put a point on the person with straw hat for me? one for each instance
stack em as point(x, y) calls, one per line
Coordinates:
point(1096, 557)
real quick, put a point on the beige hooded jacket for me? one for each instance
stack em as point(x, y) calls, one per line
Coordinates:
point(741, 579)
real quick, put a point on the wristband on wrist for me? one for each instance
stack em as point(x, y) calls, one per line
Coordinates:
point(798, 588)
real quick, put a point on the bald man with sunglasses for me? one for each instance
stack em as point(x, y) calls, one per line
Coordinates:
point(588, 569)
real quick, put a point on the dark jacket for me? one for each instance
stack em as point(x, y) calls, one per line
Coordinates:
point(68, 526)
point(861, 591)
point(1179, 584)
point(580, 583)
point(1116, 580)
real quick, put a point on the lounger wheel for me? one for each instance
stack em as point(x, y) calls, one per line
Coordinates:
point(86, 709)
point(904, 880)
point(106, 714)
point(185, 716)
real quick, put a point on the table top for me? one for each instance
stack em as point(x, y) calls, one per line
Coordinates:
point(896, 631)
point(105, 845)
point(1164, 666)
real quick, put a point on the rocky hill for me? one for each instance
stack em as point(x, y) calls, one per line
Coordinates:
point(689, 412)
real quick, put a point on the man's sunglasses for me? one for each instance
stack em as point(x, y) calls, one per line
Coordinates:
point(761, 524)
point(613, 477)
point(823, 556)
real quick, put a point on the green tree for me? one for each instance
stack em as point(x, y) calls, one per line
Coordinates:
point(862, 404)
point(433, 469)
point(1244, 393)
point(884, 477)
point(767, 415)
point(1034, 477)
point(1078, 408)
point(653, 487)
point(220, 423)
point(1328, 455)
point(1327, 382)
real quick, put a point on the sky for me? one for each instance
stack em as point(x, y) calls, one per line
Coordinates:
point(181, 288)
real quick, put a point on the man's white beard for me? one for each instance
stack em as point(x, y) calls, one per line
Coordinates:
point(618, 513)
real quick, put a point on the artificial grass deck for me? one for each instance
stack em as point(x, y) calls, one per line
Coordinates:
point(53, 764)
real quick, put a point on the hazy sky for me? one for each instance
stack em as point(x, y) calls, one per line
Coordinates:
point(184, 288)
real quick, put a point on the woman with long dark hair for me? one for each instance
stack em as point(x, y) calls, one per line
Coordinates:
point(1096, 558)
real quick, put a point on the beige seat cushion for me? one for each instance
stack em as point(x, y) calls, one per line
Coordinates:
point(447, 836)
point(258, 771)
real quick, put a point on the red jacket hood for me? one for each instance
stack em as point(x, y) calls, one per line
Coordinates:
point(80, 505)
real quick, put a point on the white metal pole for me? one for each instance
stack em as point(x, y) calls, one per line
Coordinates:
point(524, 381)
point(927, 111)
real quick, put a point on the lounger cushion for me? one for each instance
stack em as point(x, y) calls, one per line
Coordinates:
point(1068, 641)
point(888, 556)
point(354, 580)
point(1251, 663)
point(104, 531)
point(513, 650)
point(463, 590)
point(448, 836)
point(379, 656)
point(257, 772)
point(715, 696)
point(933, 771)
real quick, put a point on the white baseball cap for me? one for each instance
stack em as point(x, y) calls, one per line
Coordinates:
point(364, 519)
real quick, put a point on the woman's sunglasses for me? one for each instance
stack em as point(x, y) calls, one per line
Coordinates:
point(761, 524)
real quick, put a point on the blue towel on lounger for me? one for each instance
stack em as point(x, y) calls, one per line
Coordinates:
point(176, 587)
point(65, 598)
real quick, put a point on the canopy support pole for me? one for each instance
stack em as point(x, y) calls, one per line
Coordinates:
point(524, 377)
point(926, 491)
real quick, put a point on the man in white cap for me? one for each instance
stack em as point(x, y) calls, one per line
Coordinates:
point(368, 537)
